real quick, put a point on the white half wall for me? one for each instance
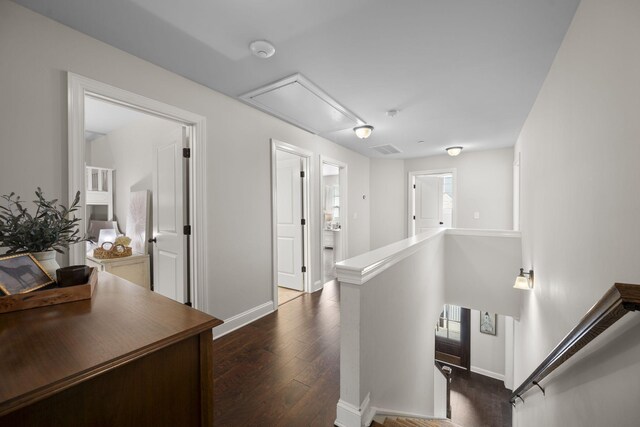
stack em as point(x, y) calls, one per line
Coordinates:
point(37, 53)
point(580, 207)
point(481, 267)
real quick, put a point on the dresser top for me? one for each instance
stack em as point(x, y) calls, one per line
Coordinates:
point(47, 349)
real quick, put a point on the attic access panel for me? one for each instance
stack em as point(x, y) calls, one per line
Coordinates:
point(298, 101)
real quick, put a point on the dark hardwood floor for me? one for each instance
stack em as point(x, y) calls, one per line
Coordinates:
point(283, 369)
point(479, 401)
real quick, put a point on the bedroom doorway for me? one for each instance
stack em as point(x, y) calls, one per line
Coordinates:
point(138, 165)
point(135, 194)
point(290, 167)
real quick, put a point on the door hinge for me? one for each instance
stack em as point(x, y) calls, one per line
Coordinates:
point(187, 230)
point(414, 217)
point(301, 174)
point(304, 269)
point(414, 186)
point(186, 153)
point(303, 221)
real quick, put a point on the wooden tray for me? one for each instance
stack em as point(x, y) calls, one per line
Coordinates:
point(46, 297)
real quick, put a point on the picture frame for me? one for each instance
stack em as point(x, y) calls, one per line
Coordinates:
point(488, 323)
point(22, 273)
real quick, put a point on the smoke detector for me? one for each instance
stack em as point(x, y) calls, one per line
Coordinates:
point(392, 113)
point(262, 49)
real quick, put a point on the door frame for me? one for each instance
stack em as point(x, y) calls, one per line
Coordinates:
point(411, 180)
point(78, 87)
point(306, 199)
point(344, 212)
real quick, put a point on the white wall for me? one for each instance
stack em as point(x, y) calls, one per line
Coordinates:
point(129, 150)
point(388, 202)
point(480, 268)
point(37, 52)
point(580, 207)
point(488, 351)
point(485, 185)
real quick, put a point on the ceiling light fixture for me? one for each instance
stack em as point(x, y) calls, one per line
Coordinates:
point(524, 282)
point(363, 132)
point(453, 151)
point(262, 49)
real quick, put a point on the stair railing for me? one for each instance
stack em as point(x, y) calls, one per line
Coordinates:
point(620, 299)
point(446, 372)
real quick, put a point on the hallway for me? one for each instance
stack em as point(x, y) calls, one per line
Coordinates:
point(283, 369)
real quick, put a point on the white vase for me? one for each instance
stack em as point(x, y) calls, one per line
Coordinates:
point(47, 260)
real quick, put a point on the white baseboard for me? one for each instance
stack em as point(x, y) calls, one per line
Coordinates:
point(487, 373)
point(317, 286)
point(348, 415)
point(242, 319)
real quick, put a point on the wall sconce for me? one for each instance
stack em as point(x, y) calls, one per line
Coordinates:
point(524, 280)
point(363, 132)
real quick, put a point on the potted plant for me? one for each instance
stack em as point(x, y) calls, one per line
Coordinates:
point(52, 228)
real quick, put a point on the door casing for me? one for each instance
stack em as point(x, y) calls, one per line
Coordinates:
point(307, 197)
point(411, 179)
point(78, 87)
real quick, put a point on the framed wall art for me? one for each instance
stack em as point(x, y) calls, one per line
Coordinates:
point(488, 322)
point(20, 274)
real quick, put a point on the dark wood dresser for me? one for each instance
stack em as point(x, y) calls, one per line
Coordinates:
point(127, 357)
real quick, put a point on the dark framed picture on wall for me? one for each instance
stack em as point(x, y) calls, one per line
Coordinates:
point(20, 274)
point(488, 322)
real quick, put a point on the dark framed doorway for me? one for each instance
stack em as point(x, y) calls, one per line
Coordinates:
point(453, 336)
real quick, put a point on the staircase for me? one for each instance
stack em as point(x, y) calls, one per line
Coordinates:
point(413, 422)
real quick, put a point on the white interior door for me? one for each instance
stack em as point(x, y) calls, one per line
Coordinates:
point(289, 220)
point(169, 271)
point(428, 203)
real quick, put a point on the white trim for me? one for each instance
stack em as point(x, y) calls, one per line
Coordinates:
point(307, 188)
point(361, 269)
point(487, 373)
point(344, 210)
point(348, 415)
point(78, 87)
point(304, 82)
point(242, 319)
point(318, 285)
point(482, 233)
point(410, 195)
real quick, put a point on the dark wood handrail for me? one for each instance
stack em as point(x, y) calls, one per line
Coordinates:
point(620, 299)
point(446, 372)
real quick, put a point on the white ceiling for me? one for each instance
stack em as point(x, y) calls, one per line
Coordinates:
point(104, 117)
point(461, 72)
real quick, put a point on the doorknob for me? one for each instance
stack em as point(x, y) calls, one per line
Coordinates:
point(154, 240)
point(441, 223)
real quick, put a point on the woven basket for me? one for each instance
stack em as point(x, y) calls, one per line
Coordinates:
point(114, 251)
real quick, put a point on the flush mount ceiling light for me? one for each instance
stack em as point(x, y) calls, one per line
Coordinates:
point(262, 49)
point(453, 151)
point(524, 282)
point(363, 132)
